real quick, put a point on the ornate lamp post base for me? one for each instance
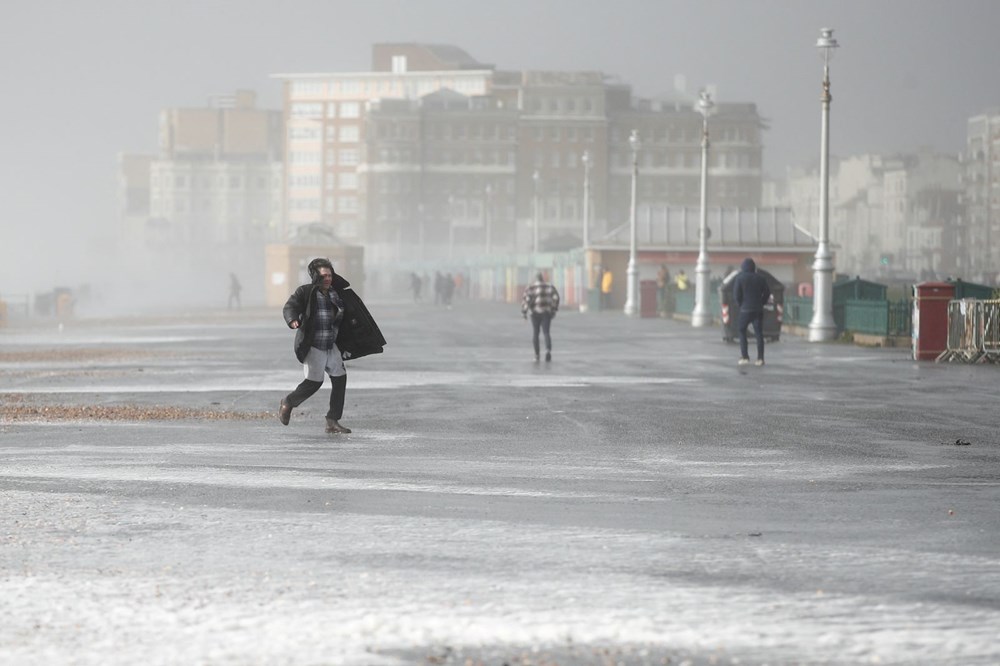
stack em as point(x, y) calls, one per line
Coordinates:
point(701, 316)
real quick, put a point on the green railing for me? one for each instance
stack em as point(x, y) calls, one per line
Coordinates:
point(798, 311)
point(888, 318)
point(684, 302)
point(900, 318)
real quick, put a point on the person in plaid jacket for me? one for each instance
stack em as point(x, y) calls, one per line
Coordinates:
point(541, 301)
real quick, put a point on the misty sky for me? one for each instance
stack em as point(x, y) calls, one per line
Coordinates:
point(83, 80)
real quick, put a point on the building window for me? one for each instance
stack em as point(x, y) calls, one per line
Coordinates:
point(348, 181)
point(304, 181)
point(348, 156)
point(350, 110)
point(349, 134)
point(304, 157)
point(307, 88)
point(307, 110)
point(347, 204)
point(304, 204)
point(303, 133)
point(398, 64)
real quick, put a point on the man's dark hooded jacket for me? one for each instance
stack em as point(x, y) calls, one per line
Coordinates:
point(358, 334)
point(750, 290)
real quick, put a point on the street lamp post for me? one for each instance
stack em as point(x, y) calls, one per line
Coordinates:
point(535, 178)
point(420, 222)
point(582, 283)
point(487, 218)
point(822, 327)
point(451, 227)
point(701, 316)
point(632, 272)
point(586, 159)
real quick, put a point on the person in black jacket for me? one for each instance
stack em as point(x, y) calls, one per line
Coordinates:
point(331, 325)
point(750, 291)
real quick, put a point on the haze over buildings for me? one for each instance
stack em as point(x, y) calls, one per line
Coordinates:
point(91, 80)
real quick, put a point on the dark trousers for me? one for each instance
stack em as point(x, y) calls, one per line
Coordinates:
point(541, 322)
point(305, 390)
point(757, 319)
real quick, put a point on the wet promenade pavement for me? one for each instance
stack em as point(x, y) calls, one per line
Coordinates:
point(639, 500)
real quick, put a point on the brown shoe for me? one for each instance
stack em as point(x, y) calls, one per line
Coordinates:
point(333, 426)
point(284, 412)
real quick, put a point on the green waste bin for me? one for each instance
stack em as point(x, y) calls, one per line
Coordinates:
point(594, 300)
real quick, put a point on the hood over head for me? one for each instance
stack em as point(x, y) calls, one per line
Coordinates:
point(748, 266)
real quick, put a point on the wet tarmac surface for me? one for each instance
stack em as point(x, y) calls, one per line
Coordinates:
point(641, 499)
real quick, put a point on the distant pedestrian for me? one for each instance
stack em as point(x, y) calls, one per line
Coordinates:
point(415, 284)
point(438, 287)
point(663, 290)
point(541, 301)
point(681, 281)
point(751, 293)
point(331, 325)
point(234, 291)
point(447, 290)
point(607, 282)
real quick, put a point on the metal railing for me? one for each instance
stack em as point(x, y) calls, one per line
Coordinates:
point(798, 310)
point(973, 332)
point(888, 318)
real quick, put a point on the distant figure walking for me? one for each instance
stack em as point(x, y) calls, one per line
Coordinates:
point(750, 291)
point(447, 290)
point(415, 284)
point(607, 281)
point(234, 291)
point(438, 287)
point(663, 291)
point(681, 281)
point(541, 301)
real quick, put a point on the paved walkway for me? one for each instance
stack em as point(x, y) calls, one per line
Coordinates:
point(639, 498)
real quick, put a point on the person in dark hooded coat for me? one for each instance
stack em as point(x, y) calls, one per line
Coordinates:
point(331, 325)
point(751, 293)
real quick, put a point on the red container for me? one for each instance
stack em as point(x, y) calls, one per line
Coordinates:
point(930, 319)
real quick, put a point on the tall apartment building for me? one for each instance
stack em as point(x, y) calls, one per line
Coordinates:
point(979, 235)
point(325, 119)
point(890, 215)
point(438, 176)
point(920, 203)
point(434, 148)
point(218, 176)
point(209, 201)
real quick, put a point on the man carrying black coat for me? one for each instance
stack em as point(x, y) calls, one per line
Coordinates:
point(751, 292)
point(331, 325)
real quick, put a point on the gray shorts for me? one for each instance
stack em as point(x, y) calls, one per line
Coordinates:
point(319, 363)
